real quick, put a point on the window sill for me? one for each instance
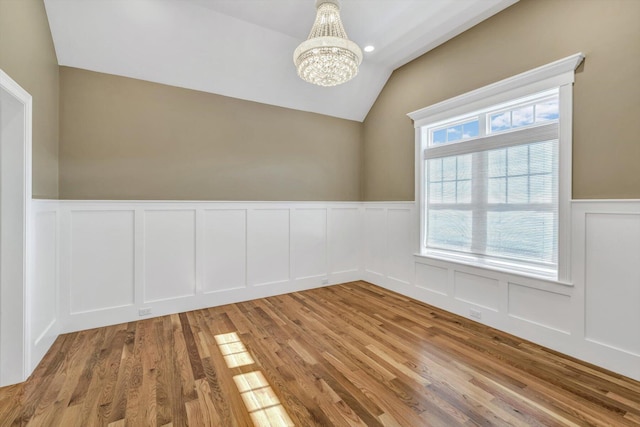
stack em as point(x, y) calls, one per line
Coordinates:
point(513, 269)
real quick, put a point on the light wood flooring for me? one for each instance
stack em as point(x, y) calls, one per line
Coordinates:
point(351, 354)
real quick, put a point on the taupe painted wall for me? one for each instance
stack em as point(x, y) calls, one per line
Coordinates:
point(123, 138)
point(27, 55)
point(606, 146)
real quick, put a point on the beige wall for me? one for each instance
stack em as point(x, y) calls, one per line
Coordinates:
point(127, 139)
point(606, 146)
point(27, 55)
point(123, 138)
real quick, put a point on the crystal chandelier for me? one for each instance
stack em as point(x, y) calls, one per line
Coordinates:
point(327, 57)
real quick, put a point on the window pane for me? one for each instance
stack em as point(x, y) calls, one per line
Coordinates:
point(464, 192)
point(449, 170)
point(541, 189)
point(518, 189)
point(470, 129)
point(449, 229)
point(518, 160)
point(454, 133)
point(440, 136)
point(435, 170)
point(497, 190)
point(522, 234)
point(547, 110)
point(497, 163)
point(500, 121)
point(435, 193)
point(522, 116)
point(449, 192)
point(464, 167)
point(541, 157)
point(449, 179)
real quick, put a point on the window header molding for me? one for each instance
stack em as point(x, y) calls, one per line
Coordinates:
point(554, 74)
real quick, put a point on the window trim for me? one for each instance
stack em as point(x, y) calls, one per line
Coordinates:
point(559, 74)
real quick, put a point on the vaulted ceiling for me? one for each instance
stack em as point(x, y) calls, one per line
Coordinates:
point(244, 48)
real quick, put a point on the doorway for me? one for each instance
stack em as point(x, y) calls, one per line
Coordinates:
point(15, 230)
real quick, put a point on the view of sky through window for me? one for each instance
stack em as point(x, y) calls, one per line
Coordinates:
point(458, 132)
point(527, 115)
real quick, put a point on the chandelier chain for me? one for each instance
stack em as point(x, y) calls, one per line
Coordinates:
point(328, 22)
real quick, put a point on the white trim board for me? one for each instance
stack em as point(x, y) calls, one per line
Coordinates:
point(15, 231)
point(554, 74)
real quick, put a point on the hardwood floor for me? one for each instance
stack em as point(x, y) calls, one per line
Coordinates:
point(351, 354)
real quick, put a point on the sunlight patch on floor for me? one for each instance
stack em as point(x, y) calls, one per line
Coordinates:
point(261, 402)
point(259, 398)
point(233, 350)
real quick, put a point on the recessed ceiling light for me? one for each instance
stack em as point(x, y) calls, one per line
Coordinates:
point(369, 48)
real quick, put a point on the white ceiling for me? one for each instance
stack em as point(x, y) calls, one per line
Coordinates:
point(244, 48)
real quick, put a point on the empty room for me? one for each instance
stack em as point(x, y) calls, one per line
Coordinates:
point(319, 213)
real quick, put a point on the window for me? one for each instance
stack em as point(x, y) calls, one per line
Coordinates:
point(494, 174)
point(499, 196)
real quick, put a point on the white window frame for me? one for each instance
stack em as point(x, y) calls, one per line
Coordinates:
point(559, 74)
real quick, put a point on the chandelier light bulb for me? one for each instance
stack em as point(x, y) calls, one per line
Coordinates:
point(327, 57)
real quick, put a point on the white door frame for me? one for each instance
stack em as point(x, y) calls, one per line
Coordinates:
point(15, 230)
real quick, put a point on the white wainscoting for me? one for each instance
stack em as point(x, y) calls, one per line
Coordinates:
point(344, 248)
point(102, 256)
point(119, 257)
point(596, 318)
point(269, 246)
point(43, 303)
point(110, 259)
point(607, 275)
point(224, 250)
point(169, 255)
point(389, 243)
